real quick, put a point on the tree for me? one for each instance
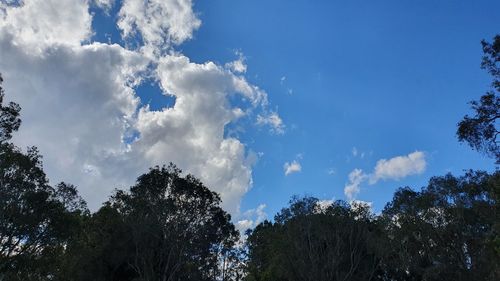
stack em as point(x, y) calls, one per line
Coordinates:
point(36, 219)
point(307, 242)
point(447, 231)
point(481, 130)
point(167, 227)
point(9, 116)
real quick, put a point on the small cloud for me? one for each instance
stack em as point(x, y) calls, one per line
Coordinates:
point(357, 153)
point(290, 92)
point(282, 80)
point(393, 169)
point(274, 121)
point(331, 171)
point(251, 218)
point(399, 167)
point(239, 65)
point(356, 177)
point(106, 5)
point(243, 225)
point(291, 168)
point(91, 170)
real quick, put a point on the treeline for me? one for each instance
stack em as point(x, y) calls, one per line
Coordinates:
point(447, 231)
point(171, 227)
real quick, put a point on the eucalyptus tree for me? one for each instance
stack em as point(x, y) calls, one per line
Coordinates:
point(310, 242)
point(36, 219)
point(447, 231)
point(481, 131)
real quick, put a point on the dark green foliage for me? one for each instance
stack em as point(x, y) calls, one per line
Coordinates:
point(167, 227)
point(308, 242)
point(446, 231)
point(9, 116)
point(481, 130)
point(36, 219)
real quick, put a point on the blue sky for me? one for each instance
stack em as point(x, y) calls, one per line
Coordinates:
point(353, 82)
point(386, 77)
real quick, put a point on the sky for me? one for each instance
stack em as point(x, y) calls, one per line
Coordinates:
point(262, 100)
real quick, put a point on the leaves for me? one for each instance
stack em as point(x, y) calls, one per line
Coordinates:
point(481, 130)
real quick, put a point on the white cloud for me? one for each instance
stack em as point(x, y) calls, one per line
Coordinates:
point(251, 218)
point(191, 133)
point(244, 225)
point(37, 24)
point(399, 167)
point(273, 120)
point(291, 168)
point(76, 106)
point(393, 169)
point(239, 65)
point(79, 103)
point(104, 4)
point(355, 153)
point(356, 177)
point(160, 23)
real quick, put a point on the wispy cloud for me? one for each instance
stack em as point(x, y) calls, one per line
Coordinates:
point(251, 218)
point(293, 167)
point(356, 177)
point(386, 169)
point(274, 121)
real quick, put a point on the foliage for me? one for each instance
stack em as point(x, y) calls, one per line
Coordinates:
point(307, 242)
point(447, 231)
point(481, 130)
point(36, 219)
point(9, 116)
point(168, 227)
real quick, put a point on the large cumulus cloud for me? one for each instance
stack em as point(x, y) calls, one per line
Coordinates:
point(80, 103)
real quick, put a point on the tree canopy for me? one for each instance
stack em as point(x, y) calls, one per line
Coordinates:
point(36, 219)
point(481, 130)
point(167, 227)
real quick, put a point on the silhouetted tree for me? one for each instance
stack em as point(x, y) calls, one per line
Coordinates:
point(481, 130)
point(447, 231)
point(36, 219)
point(9, 116)
point(308, 242)
point(167, 227)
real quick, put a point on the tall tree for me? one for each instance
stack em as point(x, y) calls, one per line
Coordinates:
point(36, 219)
point(481, 131)
point(9, 116)
point(167, 227)
point(447, 231)
point(308, 242)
